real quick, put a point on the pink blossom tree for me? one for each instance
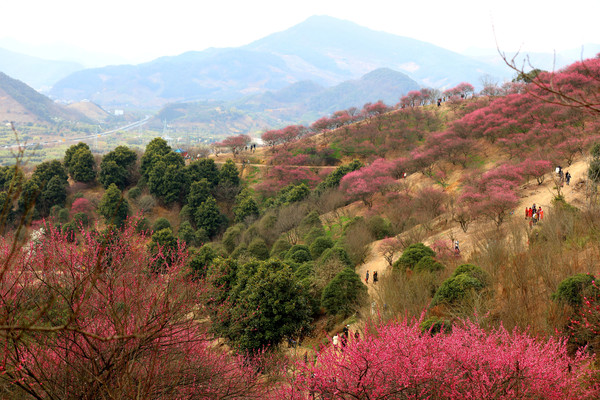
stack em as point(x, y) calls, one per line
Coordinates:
point(536, 168)
point(367, 181)
point(93, 321)
point(400, 361)
point(235, 143)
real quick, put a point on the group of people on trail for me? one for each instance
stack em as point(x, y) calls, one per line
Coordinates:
point(343, 339)
point(375, 277)
point(563, 177)
point(534, 214)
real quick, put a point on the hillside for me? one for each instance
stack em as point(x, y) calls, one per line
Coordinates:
point(91, 110)
point(301, 102)
point(325, 50)
point(479, 214)
point(20, 103)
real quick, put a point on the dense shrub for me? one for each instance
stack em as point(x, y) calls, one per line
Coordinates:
point(134, 193)
point(299, 253)
point(435, 325)
point(186, 233)
point(233, 237)
point(81, 220)
point(258, 248)
point(344, 294)
point(160, 224)
point(465, 280)
point(281, 246)
point(429, 264)
point(313, 233)
point(379, 227)
point(336, 253)
point(319, 245)
point(412, 255)
point(572, 289)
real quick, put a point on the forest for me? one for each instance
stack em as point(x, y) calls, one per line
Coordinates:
point(250, 272)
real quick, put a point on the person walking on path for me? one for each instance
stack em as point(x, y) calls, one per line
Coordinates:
point(367, 277)
point(541, 213)
point(375, 277)
point(568, 178)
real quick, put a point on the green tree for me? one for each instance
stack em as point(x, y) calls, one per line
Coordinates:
point(116, 167)
point(28, 198)
point(70, 152)
point(344, 294)
point(572, 289)
point(208, 217)
point(82, 168)
point(465, 280)
point(160, 224)
point(199, 193)
point(113, 173)
point(113, 206)
point(245, 206)
point(229, 174)
point(412, 254)
point(203, 169)
point(53, 193)
point(49, 169)
point(280, 307)
point(186, 234)
point(80, 163)
point(155, 150)
point(167, 181)
point(258, 248)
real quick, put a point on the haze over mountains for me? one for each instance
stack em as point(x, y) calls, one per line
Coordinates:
point(319, 66)
point(324, 50)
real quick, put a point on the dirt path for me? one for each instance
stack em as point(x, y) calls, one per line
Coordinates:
point(531, 192)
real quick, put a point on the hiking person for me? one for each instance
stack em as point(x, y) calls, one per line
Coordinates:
point(541, 213)
point(367, 277)
point(568, 178)
point(375, 277)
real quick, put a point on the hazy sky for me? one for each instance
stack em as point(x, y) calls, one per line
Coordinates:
point(143, 30)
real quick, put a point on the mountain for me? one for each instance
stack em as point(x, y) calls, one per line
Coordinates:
point(36, 72)
point(346, 50)
point(324, 50)
point(20, 103)
point(301, 102)
point(91, 110)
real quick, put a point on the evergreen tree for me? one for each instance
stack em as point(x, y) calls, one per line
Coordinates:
point(113, 206)
point(82, 166)
point(203, 169)
point(245, 206)
point(116, 167)
point(229, 174)
point(344, 294)
point(208, 217)
point(113, 173)
point(281, 304)
point(155, 150)
point(53, 193)
point(47, 170)
point(199, 192)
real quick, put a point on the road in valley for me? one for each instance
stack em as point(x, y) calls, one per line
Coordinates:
point(90, 136)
